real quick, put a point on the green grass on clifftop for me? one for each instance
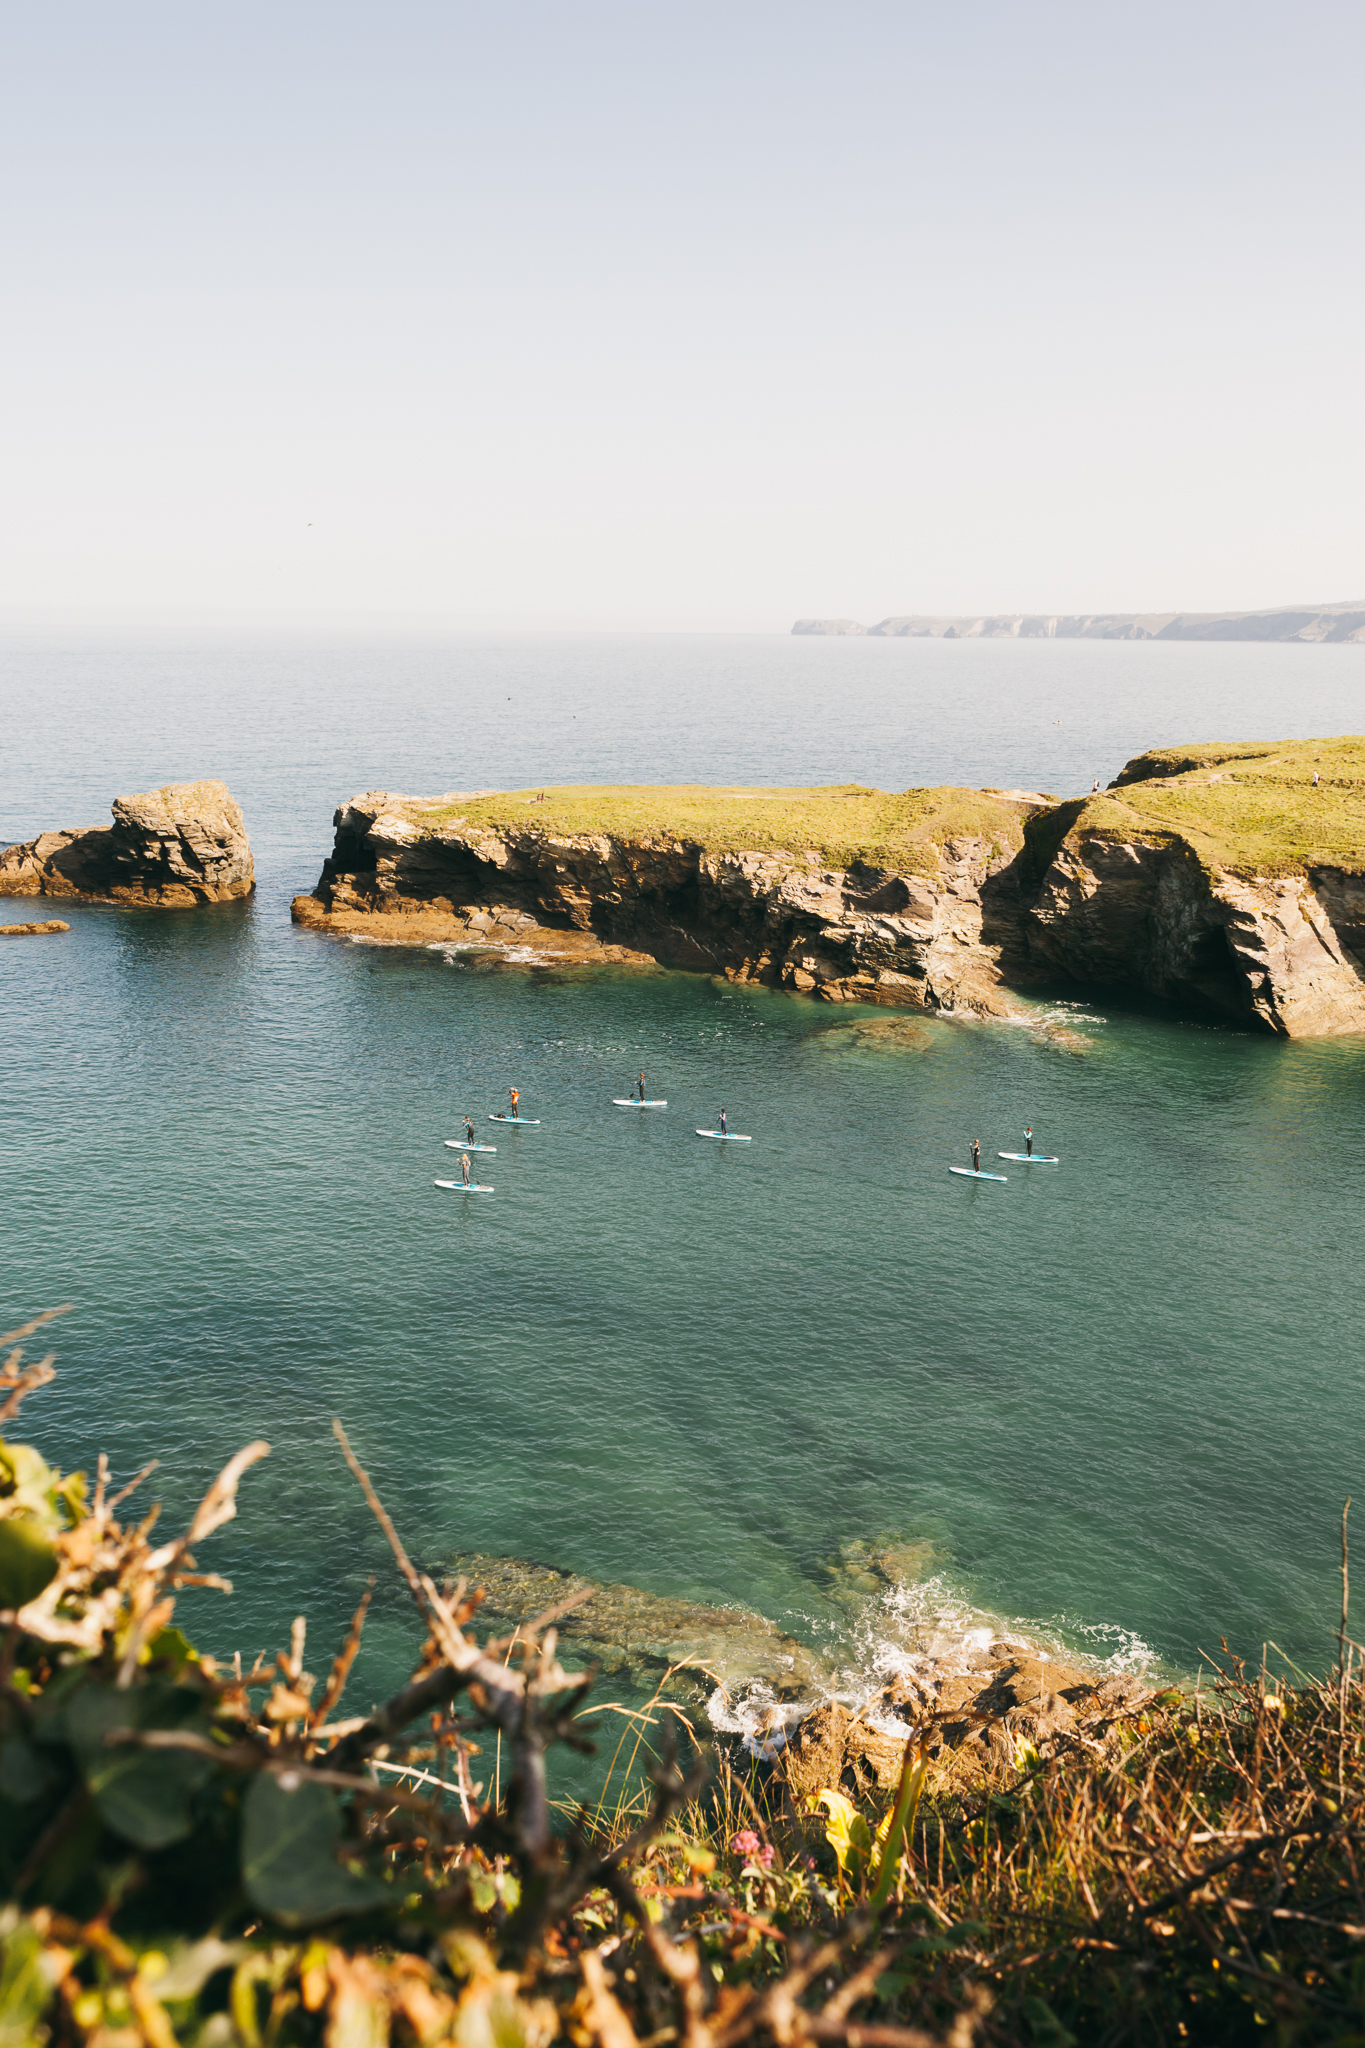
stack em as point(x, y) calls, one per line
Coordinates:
point(1247, 806)
point(840, 824)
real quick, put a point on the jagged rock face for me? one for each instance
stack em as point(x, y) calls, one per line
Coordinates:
point(1285, 954)
point(169, 848)
point(863, 934)
point(1271, 951)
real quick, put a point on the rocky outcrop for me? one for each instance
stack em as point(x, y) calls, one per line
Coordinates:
point(935, 941)
point(1224, 879)
point(28, 931)
point(1266, 951)
point(168, 848)
point(975, 1724)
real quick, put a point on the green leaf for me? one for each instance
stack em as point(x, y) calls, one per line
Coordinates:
point(846, 1832)
point(27, 1981)
point(290, 1839)
point(28, 1559)
point(168, 1646)
point(1048, 2030)
point(23, 1774)
point(143, 1795)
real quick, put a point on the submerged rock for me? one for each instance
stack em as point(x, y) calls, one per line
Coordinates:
point(168, 848)
point(25, 931)
point(622, 1627)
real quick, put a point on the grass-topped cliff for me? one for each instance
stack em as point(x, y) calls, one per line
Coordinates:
point(842, 824)
point(1248, 806)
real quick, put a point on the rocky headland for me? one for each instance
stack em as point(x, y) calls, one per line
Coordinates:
point(167, 849)
point(1337, 622)
point(1219, 877)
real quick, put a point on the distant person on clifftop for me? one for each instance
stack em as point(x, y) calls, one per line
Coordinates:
point(976, 1155)
point(1315, 778)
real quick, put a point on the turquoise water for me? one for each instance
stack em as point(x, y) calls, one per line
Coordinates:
point(1122, 1398)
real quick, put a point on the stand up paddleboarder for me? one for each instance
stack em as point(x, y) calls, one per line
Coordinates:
point(515, 1094)
point(724, 1124)
point(468, 1128)
point(1028, 1142)
point(464, 1168)
point(976, 1155)
point(642, 1087)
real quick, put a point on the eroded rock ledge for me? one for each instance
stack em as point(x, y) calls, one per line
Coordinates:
point(167, 848)
point(932, 936)
point(1221, 878)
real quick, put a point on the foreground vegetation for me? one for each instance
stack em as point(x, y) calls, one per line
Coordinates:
point(226, 1859)
point(842, 825)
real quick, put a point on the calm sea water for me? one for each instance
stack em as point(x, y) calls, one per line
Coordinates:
point(1123, 1399)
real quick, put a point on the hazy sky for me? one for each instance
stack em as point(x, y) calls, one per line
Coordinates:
point(577, 312)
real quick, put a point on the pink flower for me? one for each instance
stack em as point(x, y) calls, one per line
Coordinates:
point(747, 1845)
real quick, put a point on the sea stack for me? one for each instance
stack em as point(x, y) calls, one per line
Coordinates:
point(168, 849)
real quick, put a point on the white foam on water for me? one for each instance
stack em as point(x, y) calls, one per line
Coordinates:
point(926, 1630)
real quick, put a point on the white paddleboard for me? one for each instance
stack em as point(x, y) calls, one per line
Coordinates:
point(1029, 1158)
point(500, 1116)
point(634, 1102)
point(733, 1137)
point(472, 1189)
point(977, 1176)
point(468, 1145)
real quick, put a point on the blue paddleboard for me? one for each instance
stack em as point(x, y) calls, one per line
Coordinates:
point(734, 1137)
point(467, 1145)
point(634, 1102)
point(500, 1116)
point(472, 1189)
point(977, 1176)
point(1029, 1158)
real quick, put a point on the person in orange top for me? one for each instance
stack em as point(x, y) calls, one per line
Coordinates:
point(515, 1094)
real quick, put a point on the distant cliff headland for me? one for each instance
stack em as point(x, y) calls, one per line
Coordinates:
point(1226, 877)
point(1338, 622)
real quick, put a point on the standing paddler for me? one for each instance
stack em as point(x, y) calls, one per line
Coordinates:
point(724, 1124)
point(642, 1088)
point(976, 1155)
point(464, 1168)
point(515, 1094)
point(468, 1129)
point(1028, 1142)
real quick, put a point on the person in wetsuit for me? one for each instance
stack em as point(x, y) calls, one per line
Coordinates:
point(642, 1087)
point(724, 1124)
point(976, 1155)
point(468, 1129)
point(1028, 1142)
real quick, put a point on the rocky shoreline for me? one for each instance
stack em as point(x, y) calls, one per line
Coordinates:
point(971, 1694)
point(1139, 887)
